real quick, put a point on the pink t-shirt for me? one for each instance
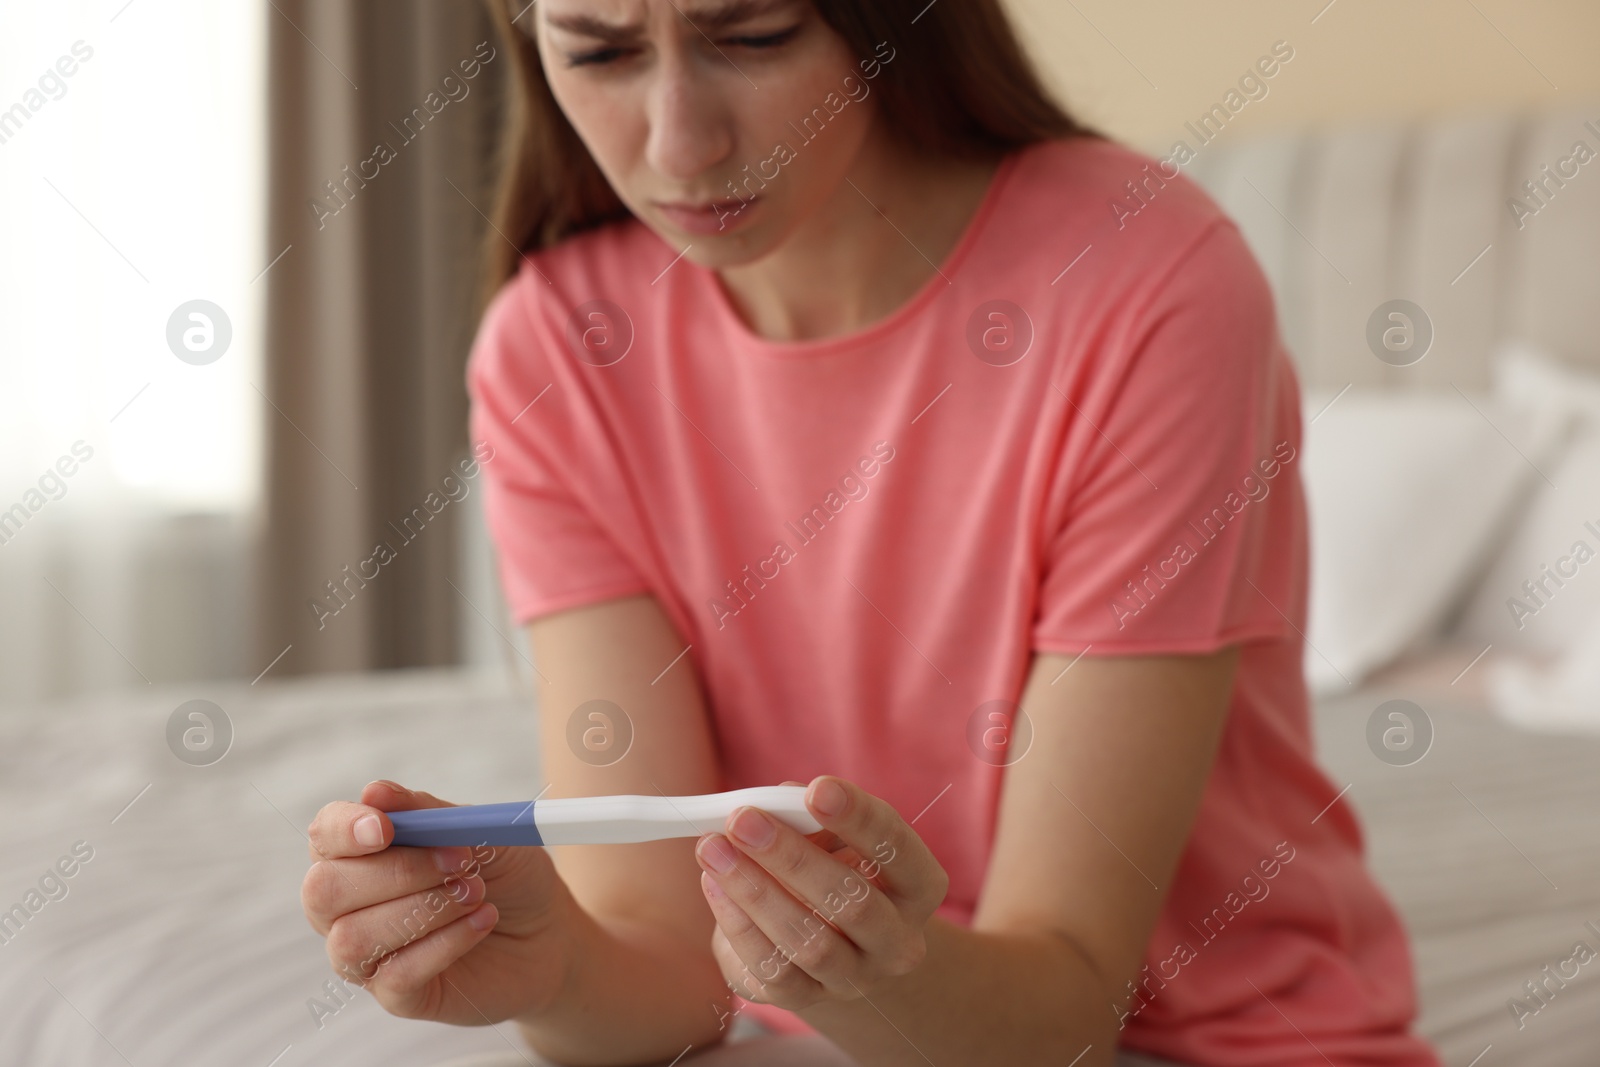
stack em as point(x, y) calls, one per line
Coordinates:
point(1082, 433)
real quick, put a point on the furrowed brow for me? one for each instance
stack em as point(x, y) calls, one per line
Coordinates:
point(711, 18)
point(600, 29)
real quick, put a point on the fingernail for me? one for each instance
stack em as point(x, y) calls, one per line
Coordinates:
point(828, 798)
point(452, 858)
point(483, 918)
point(753, 828)
point(369, 831)
point(396, 786)
point(713, 889)
point(715, 853)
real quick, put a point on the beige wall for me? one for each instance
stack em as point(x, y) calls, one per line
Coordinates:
point(1139, 69)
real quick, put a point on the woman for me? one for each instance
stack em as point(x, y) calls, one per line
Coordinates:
point(857, 417)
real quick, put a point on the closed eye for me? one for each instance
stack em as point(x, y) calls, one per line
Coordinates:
point(603, 56)
point(598, 57)
point(769, 40)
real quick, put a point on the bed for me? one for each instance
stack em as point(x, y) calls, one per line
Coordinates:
point(181, 940)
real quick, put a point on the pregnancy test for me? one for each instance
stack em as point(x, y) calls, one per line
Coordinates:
point(610, 820)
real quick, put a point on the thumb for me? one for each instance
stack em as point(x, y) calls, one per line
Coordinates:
point(344, 829)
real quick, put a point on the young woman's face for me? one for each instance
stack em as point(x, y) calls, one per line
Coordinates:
point(722, 124)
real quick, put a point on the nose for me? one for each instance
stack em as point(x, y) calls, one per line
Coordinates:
point(690, 129)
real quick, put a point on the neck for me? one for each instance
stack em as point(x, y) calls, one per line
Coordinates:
point(848, 265)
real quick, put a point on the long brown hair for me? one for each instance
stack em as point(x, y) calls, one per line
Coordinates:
point(960, 86)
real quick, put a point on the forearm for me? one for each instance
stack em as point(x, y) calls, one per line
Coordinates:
point(635, 993)
point(979, 998)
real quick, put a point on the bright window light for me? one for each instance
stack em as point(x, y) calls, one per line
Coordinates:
point(132, 166)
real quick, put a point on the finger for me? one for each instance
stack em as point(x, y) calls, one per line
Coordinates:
point(391, 796)
point(825, 839)
point(734, 970)
point(802, 935)
point(403, 980)
point(844, 897)
point(896, 858)
point(357, 940)
point(739, 973)
point(336, 887)
point(755, 967)
point(344, 829)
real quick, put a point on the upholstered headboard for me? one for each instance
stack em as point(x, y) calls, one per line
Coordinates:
point(1344, 220)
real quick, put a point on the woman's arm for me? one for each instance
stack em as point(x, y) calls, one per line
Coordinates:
point(644, 985)
point(1093, 820)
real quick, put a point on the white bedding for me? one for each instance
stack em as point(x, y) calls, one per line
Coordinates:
point(1490, 846)
point(182, 942)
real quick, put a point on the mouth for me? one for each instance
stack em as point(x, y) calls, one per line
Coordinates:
point(706, 216)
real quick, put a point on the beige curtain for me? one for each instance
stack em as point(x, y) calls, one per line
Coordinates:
point(381, 119)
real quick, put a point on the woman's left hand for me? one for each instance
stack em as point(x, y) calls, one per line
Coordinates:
point(804, 919)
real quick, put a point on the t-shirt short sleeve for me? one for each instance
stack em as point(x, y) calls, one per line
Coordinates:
point(553, 551)
point(1176, 519)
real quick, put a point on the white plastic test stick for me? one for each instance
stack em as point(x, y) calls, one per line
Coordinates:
point(609, 820)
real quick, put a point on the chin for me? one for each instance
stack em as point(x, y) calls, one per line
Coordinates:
point(719, 251)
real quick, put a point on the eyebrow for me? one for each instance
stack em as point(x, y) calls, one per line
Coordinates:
point(708, 19)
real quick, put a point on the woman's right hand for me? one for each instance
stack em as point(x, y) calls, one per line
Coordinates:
point(455, 935)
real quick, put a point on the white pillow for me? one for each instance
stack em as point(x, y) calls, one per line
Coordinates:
point(1407, 492)
point(1528, 376)
point(1525, 603)
point(1564, 697)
